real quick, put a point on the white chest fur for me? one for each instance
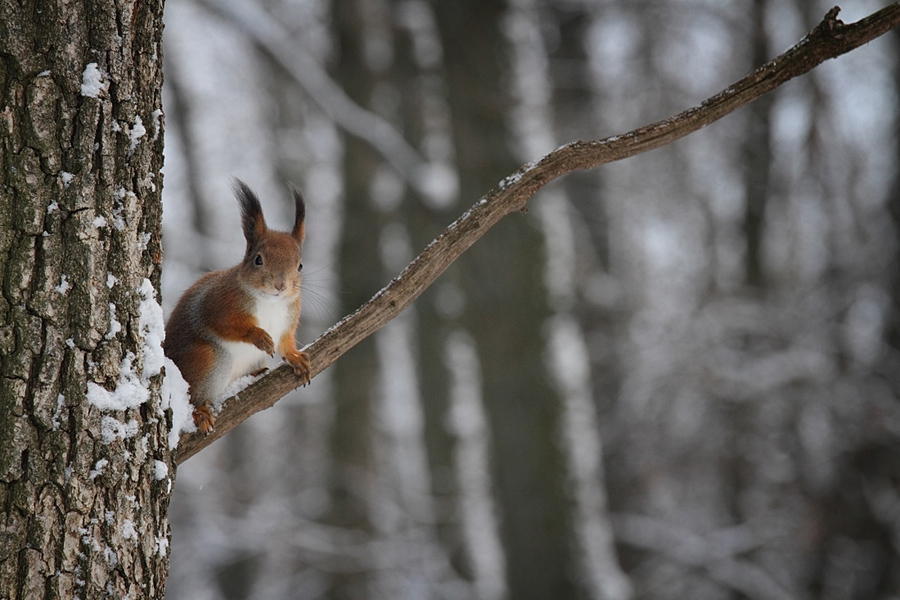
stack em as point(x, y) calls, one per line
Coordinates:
point(272, 315)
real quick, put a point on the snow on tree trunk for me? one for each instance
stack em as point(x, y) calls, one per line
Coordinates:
point(85, 469)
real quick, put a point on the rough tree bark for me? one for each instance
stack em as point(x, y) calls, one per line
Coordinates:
point(830, 39)
point(84, 487)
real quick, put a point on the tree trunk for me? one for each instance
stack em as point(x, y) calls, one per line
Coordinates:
point(355, 378)
point(757, 158)
point(502, 276)
point(85, 469)
point(893, 332)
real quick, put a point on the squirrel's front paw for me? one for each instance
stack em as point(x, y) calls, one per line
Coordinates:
point(300, 361)
point(204, 418)
point(262, 340)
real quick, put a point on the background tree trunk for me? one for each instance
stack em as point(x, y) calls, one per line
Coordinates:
point(522, 407)
point(85, 478)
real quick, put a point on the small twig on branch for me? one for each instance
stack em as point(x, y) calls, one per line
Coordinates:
point(829, 39)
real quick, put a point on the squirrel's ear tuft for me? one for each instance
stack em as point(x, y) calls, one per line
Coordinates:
point(251, 212)
point(299, 230)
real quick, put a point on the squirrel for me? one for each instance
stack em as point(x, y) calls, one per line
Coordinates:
point(225, 325)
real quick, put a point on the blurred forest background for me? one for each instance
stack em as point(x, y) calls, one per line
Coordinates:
point(676, 377)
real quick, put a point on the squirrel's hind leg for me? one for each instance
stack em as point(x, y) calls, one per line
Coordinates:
point(208, 370)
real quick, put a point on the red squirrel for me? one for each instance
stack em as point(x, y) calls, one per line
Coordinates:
point(225, 325)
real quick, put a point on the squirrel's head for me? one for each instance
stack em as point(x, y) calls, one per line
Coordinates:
point(273, 260)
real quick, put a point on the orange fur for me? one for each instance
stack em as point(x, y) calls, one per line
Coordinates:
point(217, 323)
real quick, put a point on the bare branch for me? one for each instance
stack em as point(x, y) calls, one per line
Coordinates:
point(277, 41)
point(829, 39)
point(714, 552)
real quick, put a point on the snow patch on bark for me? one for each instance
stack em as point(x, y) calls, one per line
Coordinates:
point(92, 84)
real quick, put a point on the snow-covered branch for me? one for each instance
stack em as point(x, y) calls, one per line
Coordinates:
point(831, 38)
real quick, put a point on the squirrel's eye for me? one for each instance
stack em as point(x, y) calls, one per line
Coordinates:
point(300, 267)
point(258, 260)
